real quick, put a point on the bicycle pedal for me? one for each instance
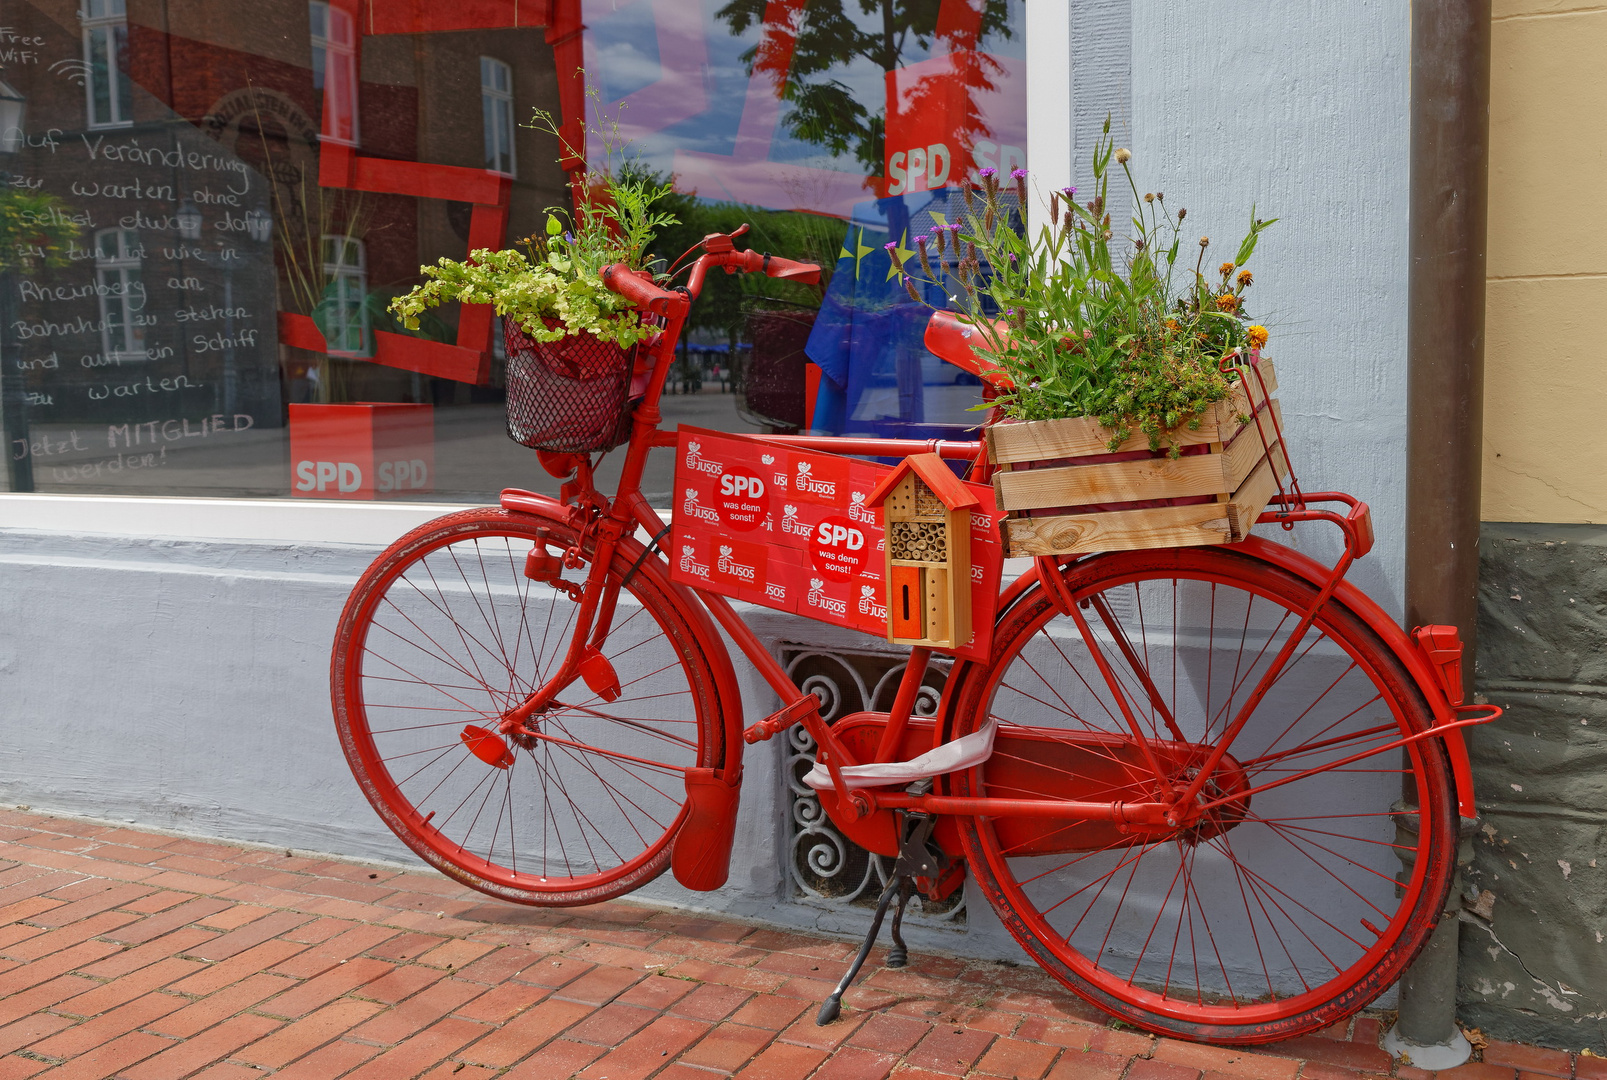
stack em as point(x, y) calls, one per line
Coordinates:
point(780, 720)
point(488, 746)
point(600, 675)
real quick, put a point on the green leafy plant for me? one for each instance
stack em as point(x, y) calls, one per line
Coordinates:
point(36, 230)
point(1087, 326)
point(549, 284)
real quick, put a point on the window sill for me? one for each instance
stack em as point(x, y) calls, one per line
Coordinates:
point(311, 521)
point(276, 520)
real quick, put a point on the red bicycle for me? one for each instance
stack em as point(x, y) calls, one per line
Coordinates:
point(1213, 790)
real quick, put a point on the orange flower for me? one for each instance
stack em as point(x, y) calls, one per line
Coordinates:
point(1172, 324)
point(1245, 277)
point(1228, 302)
point(1226, 268)
point(1257, 336)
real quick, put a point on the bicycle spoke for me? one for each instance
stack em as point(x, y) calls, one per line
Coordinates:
point(1279, 893)
point(453, 634)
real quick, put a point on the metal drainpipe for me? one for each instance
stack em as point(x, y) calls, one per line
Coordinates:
point(1450, 109)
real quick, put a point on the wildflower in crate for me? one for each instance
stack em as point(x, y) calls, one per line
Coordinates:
point(1088, 323)
point(1127, 417)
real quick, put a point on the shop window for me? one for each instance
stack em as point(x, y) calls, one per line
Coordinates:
point(235, 252)
point(334, 69)
point(106, 84)
point(496, 105)
point(122, 293)
point(345, 321)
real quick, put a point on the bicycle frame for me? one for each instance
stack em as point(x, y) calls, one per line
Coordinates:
point(605, 524)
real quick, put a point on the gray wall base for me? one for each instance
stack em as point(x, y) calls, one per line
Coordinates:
point(184, 685)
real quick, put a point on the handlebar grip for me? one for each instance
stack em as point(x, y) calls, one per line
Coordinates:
point(788, 270)
point(639, 291)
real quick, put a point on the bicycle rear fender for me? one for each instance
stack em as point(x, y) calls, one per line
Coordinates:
point(1422, 671)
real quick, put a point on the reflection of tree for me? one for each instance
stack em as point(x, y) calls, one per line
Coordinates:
point(812, 39)
point(792, 234)
point(35, 230)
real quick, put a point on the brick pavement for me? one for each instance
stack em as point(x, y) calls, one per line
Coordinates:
point(146, 957)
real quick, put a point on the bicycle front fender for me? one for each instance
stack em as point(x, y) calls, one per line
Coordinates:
point(1394, 638)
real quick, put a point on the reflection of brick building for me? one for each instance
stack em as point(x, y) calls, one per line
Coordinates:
point(185, 142)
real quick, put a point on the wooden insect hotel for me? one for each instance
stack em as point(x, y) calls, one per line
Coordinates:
point(1067, 493)
point(926, 513)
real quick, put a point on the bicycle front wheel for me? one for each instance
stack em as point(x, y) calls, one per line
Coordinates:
point(1282, 908)
point(443, 634)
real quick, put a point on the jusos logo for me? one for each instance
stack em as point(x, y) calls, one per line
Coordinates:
point(697, 462)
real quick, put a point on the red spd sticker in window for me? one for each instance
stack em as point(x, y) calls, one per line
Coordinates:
point(838, 548)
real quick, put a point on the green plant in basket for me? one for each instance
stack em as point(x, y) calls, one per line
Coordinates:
point(1088, 325)
point(548, 284)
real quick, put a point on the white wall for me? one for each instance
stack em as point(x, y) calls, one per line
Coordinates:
point(1301, 109)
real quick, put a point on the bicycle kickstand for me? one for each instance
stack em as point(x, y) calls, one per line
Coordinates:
point(916, 858)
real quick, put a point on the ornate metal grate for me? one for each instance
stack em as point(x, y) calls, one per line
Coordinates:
point(826, 867)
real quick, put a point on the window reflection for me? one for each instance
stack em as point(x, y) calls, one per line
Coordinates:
point(345, 313)
point(334, 68)
point(104, 72)
point(122, 294)
point(496, 101)
point(213, 205)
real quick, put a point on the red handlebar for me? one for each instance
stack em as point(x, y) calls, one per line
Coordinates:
point(717, 251)
point(640, 291)
point(950, 339)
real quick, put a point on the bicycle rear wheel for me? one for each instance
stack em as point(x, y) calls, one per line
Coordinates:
point(442, 635)
point(1280, 911)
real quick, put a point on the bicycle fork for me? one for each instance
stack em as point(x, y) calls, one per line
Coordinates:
point(584, 658)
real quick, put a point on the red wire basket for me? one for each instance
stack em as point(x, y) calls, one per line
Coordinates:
point(569, 396)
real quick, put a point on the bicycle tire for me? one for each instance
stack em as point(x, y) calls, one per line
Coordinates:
point(1277, 916)
point(444, 632)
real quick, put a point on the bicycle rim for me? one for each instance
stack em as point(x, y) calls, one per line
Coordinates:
point(441, 636)
point(1283, 910)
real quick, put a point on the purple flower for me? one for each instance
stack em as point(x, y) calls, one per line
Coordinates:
point(1018, 174)
point(988, 172)
point(1068, 192)
point(890, 246)
point(1012, 258)
point(954, 227)
point(569, 238)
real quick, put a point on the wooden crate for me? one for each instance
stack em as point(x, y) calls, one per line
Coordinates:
point(1049, 464)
